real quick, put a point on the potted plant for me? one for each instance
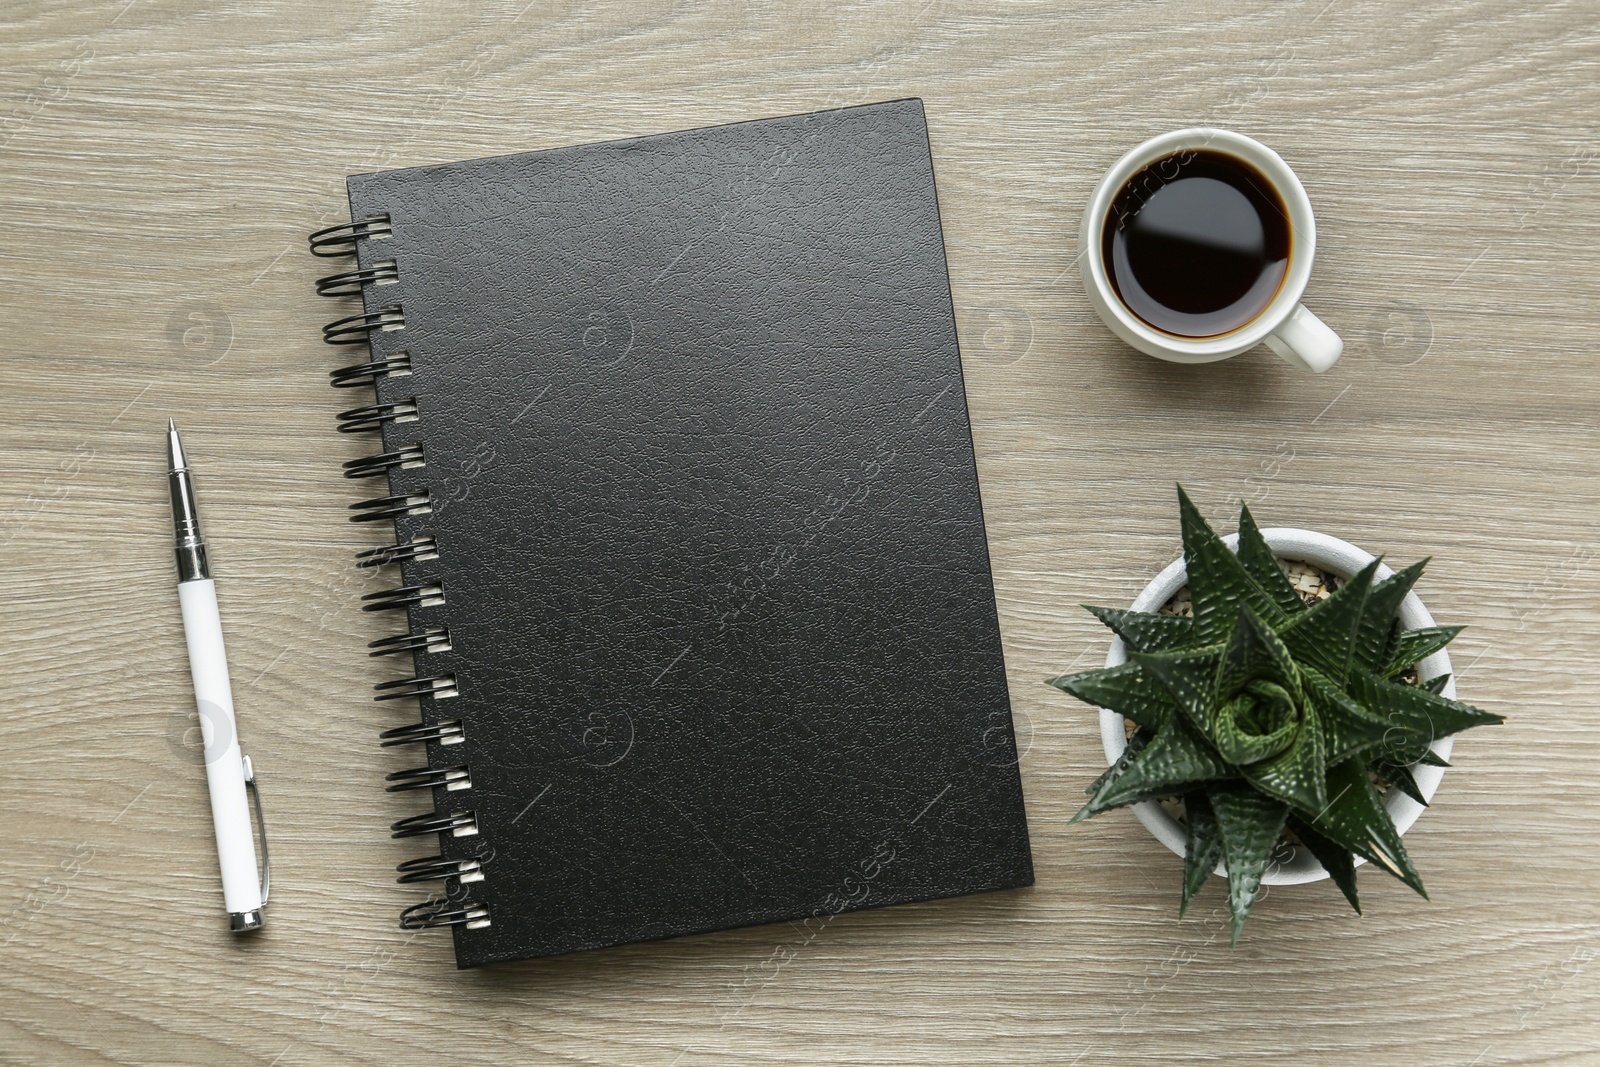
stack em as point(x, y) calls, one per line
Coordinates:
point(1300, 737)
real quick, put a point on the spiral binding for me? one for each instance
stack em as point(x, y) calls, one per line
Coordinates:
point(350, 283)
point(384, 462)
point(429, 778)
point(397, 364)
point(435, 913)
point(418, 548)
point(439, 687)
point(376, 416)
point(433, 639)
point(389, 507)
point(405, 596)
point(402, 506)
point(438, 868)
point(341, 240)
point(445, 733)
point(358, 329)
point(455, 823)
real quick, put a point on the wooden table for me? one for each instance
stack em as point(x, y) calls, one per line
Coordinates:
point(160, 165)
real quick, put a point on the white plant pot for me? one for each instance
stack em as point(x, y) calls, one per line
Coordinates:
point(1340, 558)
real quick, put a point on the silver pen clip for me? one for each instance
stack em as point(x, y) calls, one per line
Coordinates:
point(261, 827)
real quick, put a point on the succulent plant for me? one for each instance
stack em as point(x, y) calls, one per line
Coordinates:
point(1268, 716)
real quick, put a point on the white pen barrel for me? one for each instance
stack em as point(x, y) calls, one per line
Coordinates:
point(230, 808)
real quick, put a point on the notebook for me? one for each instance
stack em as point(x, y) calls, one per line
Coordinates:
point(689, 562)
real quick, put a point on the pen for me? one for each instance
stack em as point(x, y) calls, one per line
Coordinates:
point(229, 775)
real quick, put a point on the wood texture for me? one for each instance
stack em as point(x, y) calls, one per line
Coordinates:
point(160, 165)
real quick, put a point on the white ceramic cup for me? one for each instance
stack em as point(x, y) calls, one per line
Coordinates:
point(1285, 325)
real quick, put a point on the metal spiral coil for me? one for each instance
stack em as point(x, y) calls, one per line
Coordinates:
point(341, 240)
point(350, 282)
point(373, 416)
point(432, 822)
point(438, 868)
point(439, 686)
point(372, 466)
point(431, 914)
point(457, 777)
point(389, 507)
point(381, 367)
point(434, 639)
point(419, 733)
point(356, 329)
point(419, 548)
point(428, 594)
point(396, 363)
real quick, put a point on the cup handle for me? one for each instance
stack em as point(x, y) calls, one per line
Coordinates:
point(1305, 341)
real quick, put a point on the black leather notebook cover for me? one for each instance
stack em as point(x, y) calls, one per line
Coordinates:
point(710, 546)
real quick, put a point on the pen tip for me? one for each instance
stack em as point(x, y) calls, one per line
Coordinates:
point(175, 459)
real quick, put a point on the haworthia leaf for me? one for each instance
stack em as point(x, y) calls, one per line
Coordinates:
point(1189, 678)
point(1406, 752)
point(1347, 727)
point(1204, 848)
point(1218, 583)
point(1249, 824)
point(1400, 775)
point(1147, 631)
point(1378, 619)
point(1436, 684)
point(1335, 859)
point(1299, 776)
point(1413, 709)
point(1430, 758)
point(1260, 723)
point(1176, 757)
point(1263, 568)
point(1415, 750)
point(1355, 818)
point(1254, 653)
point(1415, 646)
point(1325, 636)
point(1124, 689)
point(1135, 743)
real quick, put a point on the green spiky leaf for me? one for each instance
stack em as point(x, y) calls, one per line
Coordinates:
point(1379, 617)
point(1203, 850)
point(1414, 646)
point(1413, 751)
point(1263, 567)
point(1135, 743)
point(1436, 684)
point(1218, 582)
point(1261, 722)
point(1414, 710)
point(1249, 824)
point(1347, 727)
point(1189, 679)
point(1147, 631)
point(1356, 819)
point(1254, 654)
point(1175, 758)
point(1325, 636)
point(1123, 689)
point(1335, 859)
point(1297, 776)
point(1400, 775)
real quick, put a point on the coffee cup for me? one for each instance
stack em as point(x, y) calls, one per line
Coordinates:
point(1197, 245)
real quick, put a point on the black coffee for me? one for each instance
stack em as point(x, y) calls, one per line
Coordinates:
point(1197, 243)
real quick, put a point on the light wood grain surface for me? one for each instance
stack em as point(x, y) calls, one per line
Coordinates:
point(160, 164)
